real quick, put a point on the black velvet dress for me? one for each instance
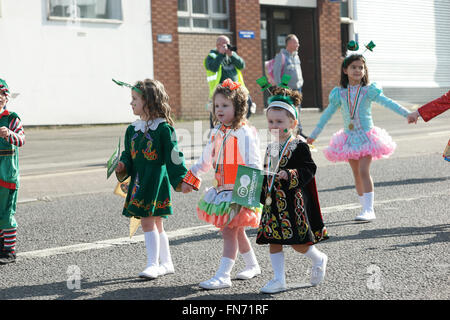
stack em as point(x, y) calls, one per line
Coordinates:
point(292, 214)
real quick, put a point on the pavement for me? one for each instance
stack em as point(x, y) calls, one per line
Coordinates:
point(73, 242)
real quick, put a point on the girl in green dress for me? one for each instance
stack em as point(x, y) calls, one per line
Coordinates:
point(152, 160)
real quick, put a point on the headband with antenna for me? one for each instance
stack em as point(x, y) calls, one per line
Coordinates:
point(279, 101)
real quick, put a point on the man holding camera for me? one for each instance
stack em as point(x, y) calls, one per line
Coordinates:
point(222, 63)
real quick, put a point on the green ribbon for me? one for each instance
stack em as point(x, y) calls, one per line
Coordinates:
point(124, 84)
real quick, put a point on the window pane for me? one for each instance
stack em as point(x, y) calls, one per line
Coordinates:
point(200, 6)
point(89, 9)
point(344, 9)
point(219, 6)
point(183, 22)
point(220, 24)
point(200, 23)
point(182, 5)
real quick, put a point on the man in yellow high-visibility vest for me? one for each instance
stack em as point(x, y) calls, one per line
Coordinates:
point(222, 63)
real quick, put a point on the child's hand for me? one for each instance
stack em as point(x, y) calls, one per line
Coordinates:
point(120, 167)
point(412, 117)
point(283, 175)
point(186, 188)
point(4, 132)
point(310, 140)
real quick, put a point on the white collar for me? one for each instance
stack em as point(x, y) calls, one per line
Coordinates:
point(141, 125)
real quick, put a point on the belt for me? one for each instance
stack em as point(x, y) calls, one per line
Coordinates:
point(8, 152)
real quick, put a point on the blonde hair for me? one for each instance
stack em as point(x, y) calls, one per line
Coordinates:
point(239, 97)
point(156, 99)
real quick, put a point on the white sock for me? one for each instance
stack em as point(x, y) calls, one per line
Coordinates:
point(361, 200)
point(226, 265)
point(250, 258)
point(368, 201)
point(152, 246)
point(277, 260)
point(164, 250)
point(315, 255)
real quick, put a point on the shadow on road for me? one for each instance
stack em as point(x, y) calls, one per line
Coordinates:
point(391, 183)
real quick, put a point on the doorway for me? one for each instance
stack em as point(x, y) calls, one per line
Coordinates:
point(276, 24)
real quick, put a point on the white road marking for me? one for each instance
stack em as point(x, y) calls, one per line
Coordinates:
point(185, 231)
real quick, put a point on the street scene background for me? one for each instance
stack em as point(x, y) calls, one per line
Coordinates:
point(73, 242)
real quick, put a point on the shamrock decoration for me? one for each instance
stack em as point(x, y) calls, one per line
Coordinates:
point(124, 84)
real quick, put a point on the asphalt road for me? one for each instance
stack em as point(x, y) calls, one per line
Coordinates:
point(73, 242)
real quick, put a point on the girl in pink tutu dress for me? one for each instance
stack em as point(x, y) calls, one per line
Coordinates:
point(359, 142)
point(232, 143)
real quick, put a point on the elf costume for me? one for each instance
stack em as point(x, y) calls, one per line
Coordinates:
point(9, 178)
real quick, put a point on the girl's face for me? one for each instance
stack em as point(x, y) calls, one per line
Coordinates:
point(280, 124)
point(223, 109)
point(355, 72)
point(137, 103)
point(3, 100)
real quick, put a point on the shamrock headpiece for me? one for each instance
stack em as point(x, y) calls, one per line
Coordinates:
point(279, 101)
point(124, 84)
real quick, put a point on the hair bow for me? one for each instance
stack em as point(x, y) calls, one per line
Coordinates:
point(228, 83)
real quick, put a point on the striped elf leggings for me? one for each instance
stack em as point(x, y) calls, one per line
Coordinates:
point(8, 238)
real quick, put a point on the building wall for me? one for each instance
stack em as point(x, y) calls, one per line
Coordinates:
point(247, 18)
point(330, 46)
point(166, 55)
point(194, 89)
point(62, 71)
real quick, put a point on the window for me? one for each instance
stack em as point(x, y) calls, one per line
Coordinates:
point(85, 9)
point(203, 15)
point(348, 27)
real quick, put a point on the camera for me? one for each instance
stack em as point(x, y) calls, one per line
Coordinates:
point(232, 48)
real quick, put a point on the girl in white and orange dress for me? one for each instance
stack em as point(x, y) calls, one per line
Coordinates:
point(232, 143)
point(359, 142)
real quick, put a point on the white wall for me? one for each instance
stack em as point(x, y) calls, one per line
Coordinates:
point(63, 72)
point(412, 54)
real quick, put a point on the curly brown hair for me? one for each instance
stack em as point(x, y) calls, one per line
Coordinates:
point(294, 94)
point(156, 99)
point(239, 97)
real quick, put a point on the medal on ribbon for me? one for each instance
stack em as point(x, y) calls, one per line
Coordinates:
point(268, 201)
point(353, 106)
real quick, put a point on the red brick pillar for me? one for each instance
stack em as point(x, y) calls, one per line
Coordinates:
point(245, 15)
point(166, 58)
point(330, 46)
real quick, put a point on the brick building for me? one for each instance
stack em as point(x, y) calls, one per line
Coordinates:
point(182, 38)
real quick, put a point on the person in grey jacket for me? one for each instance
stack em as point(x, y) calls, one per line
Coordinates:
point(287, 61)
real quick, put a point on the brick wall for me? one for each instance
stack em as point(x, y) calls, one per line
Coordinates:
point(166, 55)
point(330, 46)
point(194, 89)
point(245, 15)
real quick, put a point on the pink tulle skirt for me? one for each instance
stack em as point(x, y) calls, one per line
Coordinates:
point(357, 144)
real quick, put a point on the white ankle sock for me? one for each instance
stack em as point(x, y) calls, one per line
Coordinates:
point(368, 201)
point(249, 258)
point(314, 254)
point(226, 265)
point(277, 260)
point(152, 246)
point(164, 250)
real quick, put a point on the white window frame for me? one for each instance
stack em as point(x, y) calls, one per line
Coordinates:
point(78, 19)
point(210, 16)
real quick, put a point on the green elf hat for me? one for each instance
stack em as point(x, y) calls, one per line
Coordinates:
point(4, 87)
point(124, 84)
point(284, 102)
